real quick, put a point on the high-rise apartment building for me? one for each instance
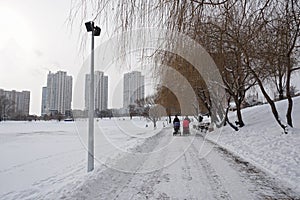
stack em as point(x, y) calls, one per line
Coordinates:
point(44, 101)
point(57, 96)
point(134, 88)
point(20, 101)
point(100, 90)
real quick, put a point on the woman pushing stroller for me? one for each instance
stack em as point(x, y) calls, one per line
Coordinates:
point(176, 125)
point(185, 124)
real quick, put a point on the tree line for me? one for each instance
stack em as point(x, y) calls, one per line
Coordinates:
point(255, 43)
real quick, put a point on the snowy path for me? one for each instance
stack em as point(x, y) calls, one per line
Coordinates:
point(167, 167)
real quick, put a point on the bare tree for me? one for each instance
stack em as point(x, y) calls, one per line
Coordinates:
point(257, 55)
point(285, 23)
point(154, 111)
point(5, 107)
point(292, 14)
point(223, 35)
point(252, 41)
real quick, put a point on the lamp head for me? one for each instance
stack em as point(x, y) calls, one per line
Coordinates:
point(97, 31)
point(89, 26)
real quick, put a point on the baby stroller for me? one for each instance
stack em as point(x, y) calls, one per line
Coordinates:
point(185, 125)
point(176, 128)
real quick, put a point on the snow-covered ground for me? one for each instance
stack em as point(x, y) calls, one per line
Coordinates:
point(47, 160)
point(171, 168)
point(262, 143)
point(39, 157)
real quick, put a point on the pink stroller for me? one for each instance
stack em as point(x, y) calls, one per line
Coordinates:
point(186, 128)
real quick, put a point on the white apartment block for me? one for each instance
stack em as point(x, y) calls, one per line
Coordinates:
point(134, 88)
point(57, 96)
point(100, 91)
point(20, 101)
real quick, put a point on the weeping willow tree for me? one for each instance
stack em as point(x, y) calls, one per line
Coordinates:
point(180, 16)
point(185, 16)
point(128, 14)
point(237, 33)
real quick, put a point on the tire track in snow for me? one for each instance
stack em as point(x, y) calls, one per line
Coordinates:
point(214, 181)
point(262, 185)
point(266, 187)
point(96, 186)
point(144, 189)
point(186, 175)
point(143, 183)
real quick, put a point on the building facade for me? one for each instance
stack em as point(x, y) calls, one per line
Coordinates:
point(100, 91)
point(19, 101)
point(44, 101)
point(57, 96)
point(134, 88)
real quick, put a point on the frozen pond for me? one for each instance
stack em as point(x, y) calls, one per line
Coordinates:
point(37, 157)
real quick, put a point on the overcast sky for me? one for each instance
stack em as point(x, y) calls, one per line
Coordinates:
point(33, 40)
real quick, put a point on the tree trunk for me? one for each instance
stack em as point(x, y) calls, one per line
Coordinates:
point(281, 97)
point(226, 118)
point(239, 115)
point(270, 101)
point(288, 95)
point(289, 112)
point(240, 122)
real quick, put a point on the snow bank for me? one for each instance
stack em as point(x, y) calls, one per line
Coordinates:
point(262, 143)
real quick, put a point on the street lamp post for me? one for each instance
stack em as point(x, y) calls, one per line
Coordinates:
point(95, 32)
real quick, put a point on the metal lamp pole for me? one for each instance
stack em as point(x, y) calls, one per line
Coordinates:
point(95, 32)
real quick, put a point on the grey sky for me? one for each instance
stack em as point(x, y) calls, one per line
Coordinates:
point(34, 39)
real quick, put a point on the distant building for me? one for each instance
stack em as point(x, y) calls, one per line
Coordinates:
point(134, 88)
point(57, 96)
point(20, 101)
point(44, 101)
point(100, 91)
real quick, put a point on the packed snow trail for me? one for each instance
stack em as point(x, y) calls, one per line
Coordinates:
point(184, 168)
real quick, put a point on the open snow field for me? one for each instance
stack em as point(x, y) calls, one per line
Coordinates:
point(47, 160)
point(39, 157)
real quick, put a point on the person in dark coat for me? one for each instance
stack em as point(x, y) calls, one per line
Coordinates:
point(176, 124)
point(200, 118)
point(176, 119)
